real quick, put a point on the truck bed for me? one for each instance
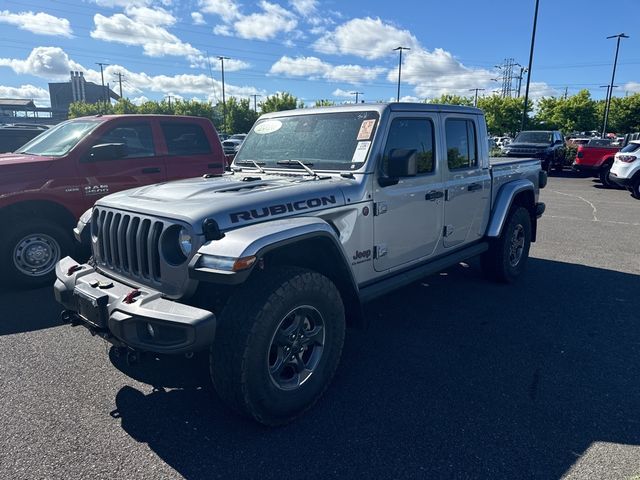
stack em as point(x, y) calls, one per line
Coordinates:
point(506, 169)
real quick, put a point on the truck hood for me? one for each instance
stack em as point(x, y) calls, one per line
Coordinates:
point(18, 163)
point(529, 145)
point(234, 200)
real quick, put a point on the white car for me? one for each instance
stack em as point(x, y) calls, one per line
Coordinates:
point(626, 168)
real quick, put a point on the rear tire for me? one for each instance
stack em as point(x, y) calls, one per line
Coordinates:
point(30, 252)
point(253, 362)
point(507, 256)
point(604, 176)
point(635, 188)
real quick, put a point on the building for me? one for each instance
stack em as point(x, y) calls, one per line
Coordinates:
point(20, 110)
point(78, 90)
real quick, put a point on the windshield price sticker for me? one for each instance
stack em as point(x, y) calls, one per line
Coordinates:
point(360, 155)
point(268, 126)
point(366, 129)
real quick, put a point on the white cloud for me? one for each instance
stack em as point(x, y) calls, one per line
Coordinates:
point(304, 7)
point(230, 64)
point(228, 10)
point(122, 3)
point(313, 67)
point(139, 100)
point(39, 95)
point(39, 23)
point(151, 16)
point(155, 41)
point(338, 92)
point(224, 30)
point(437, 72)
point(266, 25)
point(51, 63)
point(368, 38)
point(632, 87)
point(540, 89)
point(197, 18)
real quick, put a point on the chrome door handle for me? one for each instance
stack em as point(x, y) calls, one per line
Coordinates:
point(474, 186)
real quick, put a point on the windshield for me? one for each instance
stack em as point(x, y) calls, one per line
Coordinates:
point(60, 139)
point(332, 141)
point(533, 137)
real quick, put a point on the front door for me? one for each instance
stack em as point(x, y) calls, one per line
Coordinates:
point(467, 182)
point(141, 165)
point(408, 214)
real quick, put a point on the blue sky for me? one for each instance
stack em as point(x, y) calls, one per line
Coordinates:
point(315, 49)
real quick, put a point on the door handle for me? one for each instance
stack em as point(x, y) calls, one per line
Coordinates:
point(474, 186)
point(151, 170)
point(433, 195)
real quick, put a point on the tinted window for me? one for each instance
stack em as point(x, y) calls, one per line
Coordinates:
point(632, 147)
point(411, 134)
point(185, 139)
point(462, 149)
point(599, 143)
point(137, 137)
point(60, 139)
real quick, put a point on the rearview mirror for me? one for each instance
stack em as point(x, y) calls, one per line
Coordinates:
point(107, 151)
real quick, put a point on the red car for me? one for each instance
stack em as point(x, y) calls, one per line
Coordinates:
point(595, 158)
point(47, 184)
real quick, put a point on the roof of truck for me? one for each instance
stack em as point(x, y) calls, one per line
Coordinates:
point(380, 107)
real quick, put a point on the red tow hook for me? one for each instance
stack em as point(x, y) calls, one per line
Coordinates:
point(131, 296)
point(73, 269)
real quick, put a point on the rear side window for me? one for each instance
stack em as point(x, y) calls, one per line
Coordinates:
point(137, 137)
point(462, 149)
point(411, 134)
point(632, 147)
point(185, 139)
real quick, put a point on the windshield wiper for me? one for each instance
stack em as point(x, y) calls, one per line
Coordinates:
point(252, 163)
point(298, 162)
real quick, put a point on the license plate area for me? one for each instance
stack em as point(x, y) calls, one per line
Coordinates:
point(92, 305)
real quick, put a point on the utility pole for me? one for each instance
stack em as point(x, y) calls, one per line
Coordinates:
point(613, 78)
point(607, 96)
point(526, 92)
point(475, 101)
point(356, 94)
point(169, 97)
point(400, 49)
point(104, 93)
point(507, 76)
point(120, 76)
point(224, 103)
point(522, 72)
point(255, 103)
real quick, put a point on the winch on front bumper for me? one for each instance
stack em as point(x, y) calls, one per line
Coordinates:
point(138, 317)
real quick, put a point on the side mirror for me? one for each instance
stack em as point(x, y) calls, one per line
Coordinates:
point(107, 151)
point(403, 162)
point(558, 142)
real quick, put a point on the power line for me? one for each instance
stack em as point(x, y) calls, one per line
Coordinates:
point(356, 94)
point(475, 100)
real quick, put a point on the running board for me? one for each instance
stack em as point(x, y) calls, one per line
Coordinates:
point(406, 277)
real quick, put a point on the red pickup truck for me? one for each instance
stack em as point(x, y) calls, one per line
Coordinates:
point(595, 158)
point(48, 183)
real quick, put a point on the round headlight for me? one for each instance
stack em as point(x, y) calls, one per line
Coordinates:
point(185, 242)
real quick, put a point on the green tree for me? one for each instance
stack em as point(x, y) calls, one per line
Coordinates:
point(624, 114)
point(124, 105)
point(83, 109)
point(447, 99)
point(503, 114)
point(324, 103)
point(575, 113)
point(279, 102)
point(240, 116)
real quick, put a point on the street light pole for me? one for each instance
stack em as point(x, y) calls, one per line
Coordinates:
point(104, 93)
point(613, 77)
point(224, 103)
point(526, 92)
point(356, 94)
point(400, 49)
point(255, 104)
point(522, 72)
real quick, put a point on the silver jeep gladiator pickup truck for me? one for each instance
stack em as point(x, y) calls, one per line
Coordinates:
point(324, 210)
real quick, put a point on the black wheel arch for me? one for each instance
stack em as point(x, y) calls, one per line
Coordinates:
point(39, 209)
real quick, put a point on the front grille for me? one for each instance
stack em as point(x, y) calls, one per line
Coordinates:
point(128, 244)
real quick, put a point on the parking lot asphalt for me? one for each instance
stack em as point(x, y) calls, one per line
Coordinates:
point(455, 377)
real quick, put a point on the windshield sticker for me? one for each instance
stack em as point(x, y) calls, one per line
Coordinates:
point(360, 154)
point(268, 126)
point(366, 129)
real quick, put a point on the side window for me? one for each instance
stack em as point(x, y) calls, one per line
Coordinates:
point(137, 137)
point(411, 134)
point(462, 145)
point(185, 139)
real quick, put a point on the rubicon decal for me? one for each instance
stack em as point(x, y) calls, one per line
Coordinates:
point(282, 208)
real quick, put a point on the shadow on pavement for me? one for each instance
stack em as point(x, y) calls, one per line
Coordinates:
point(455, 378)
point(27, 310)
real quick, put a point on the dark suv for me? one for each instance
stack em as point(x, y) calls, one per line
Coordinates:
point(547, 145)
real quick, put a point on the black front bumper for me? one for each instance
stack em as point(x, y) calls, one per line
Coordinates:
point(143, 320)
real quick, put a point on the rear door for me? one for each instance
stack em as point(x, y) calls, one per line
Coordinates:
point(141, 166)
point(408, 214)
point(189, 151)
point(467, 181)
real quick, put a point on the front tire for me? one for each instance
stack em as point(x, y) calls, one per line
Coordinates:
point(604, 176)
point(507, 256)
point(635, 188)
point(30, 251)
point(278, 344)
